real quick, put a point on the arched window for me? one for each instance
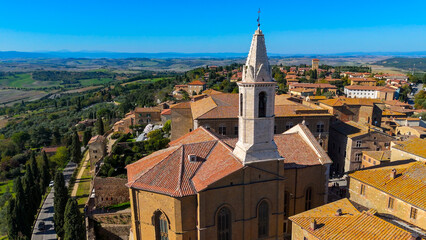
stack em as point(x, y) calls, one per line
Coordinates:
point(161, 226)
point(308, 199)
point(263, 219)
point(224, 224)
point(241, 104)
point(262, 104)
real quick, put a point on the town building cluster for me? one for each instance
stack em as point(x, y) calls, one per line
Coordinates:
point(336, 157)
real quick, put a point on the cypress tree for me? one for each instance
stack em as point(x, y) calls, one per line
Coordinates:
point(34, 168)
point(87, 136)
point(22, 215)
point(44, 172)
point(74, 222)
point(100, 126)
point(12, 218)
point(59, 203)
point(75, 148)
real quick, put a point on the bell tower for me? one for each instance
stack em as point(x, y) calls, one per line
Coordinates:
point(256, 106)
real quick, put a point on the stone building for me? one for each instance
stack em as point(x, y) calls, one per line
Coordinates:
point(348, 141)
point(414, 148)
point(375, 158)
point(208, 186)
point(367, 111)
point(363, 81)
point(315, 64)
point(218, 113)
point(97, 150)
point(341, 220)
point(395, 191)
point(324, 87)
point(147, 115)
point(125, 125)
point(371, 92)
point(415, 131)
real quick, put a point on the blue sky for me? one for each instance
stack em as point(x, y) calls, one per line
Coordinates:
point(212, 26)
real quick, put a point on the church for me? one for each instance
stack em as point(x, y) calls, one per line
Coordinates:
point(205, 186)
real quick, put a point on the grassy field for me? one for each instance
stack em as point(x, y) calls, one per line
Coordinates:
point(83, 190)
point(4, 185)
point(25, 80)
point(11, 96)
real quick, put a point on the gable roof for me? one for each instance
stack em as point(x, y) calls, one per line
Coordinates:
point(351, 224)
point(416, 146)
point(170, 172)
point(197, 82)
point(350, 101)
point(409, 185)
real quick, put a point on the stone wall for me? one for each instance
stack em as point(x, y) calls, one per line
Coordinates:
point(110, 191)
point(377, 199)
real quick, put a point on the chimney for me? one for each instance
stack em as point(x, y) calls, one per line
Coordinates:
point(393, 174)
point(339, 212)
point(313, 224)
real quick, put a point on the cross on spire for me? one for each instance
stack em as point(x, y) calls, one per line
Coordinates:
point(258, 18)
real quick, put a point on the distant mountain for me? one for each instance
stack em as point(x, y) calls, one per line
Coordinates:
point(92, 54)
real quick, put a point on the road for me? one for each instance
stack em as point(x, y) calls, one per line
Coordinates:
point(46, 213)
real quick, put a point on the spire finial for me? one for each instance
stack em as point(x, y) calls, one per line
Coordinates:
point(258, 19)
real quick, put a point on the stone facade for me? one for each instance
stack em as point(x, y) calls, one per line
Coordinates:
point(349, 140)
point(372, 197)
point(110, 191)
point(147, 115)
point(97, 150)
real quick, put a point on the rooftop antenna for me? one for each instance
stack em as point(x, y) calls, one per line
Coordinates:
point(258, 19)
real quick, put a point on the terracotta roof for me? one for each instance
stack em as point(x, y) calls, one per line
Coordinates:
point(96, 139)
point(225, 105)
point(211, 92)
point(166, 111)
point(416, 146)
point(197, 82)
point(149, 109)
point(50, 149)
point(350, 129)
point(350, 101)
point(373, 88)
point(313, 85)
point(302, 90)
point(352, 224)
point(181, 105)
point(388, 112)
point(379, 155)
point(169, 171)
point(409, 185)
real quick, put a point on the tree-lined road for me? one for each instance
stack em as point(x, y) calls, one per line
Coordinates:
point(46, 212)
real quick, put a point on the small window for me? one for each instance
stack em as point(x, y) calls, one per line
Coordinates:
point(391, 202)
point(263, 220)
point(308, 199)
point(262, 104)
point(241, 104)
point(358, 157)
point(222, 130)
point(236, 130)
point(413, 213)
point(224, 224)
point(362, 191)
point(320, 127)
point(358, 144)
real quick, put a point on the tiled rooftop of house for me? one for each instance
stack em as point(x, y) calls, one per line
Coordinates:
point(225, 105)
point(349, 224)
point(409, 184)
point(379, 155)
point(350, 101)
point(416, 146)
point(169, 171)
point(96, 139)
point(376, 88)
point(196, 82)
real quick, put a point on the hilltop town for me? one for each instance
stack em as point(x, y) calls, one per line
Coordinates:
point(239, 151)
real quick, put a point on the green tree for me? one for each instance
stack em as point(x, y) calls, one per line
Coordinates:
point(32, 191)
point(20, 138)
point(12, 220)
point(87, 136)
point(185, 95)
point(318, 92)
point(74, 222)
point(167, 126)
point(20, 213)
point(59, 203)
point(75, 148)
point(44, 171)
point(100, 126)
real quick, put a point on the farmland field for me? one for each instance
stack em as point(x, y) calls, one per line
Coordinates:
point(11, 96)
point(25, 80)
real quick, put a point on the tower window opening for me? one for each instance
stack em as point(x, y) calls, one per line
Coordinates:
point(262, 104)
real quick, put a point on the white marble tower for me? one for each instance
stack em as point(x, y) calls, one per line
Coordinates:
point(257, 100)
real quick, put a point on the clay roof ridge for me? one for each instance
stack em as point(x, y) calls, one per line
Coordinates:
point(181, 167)
point(195, 172)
